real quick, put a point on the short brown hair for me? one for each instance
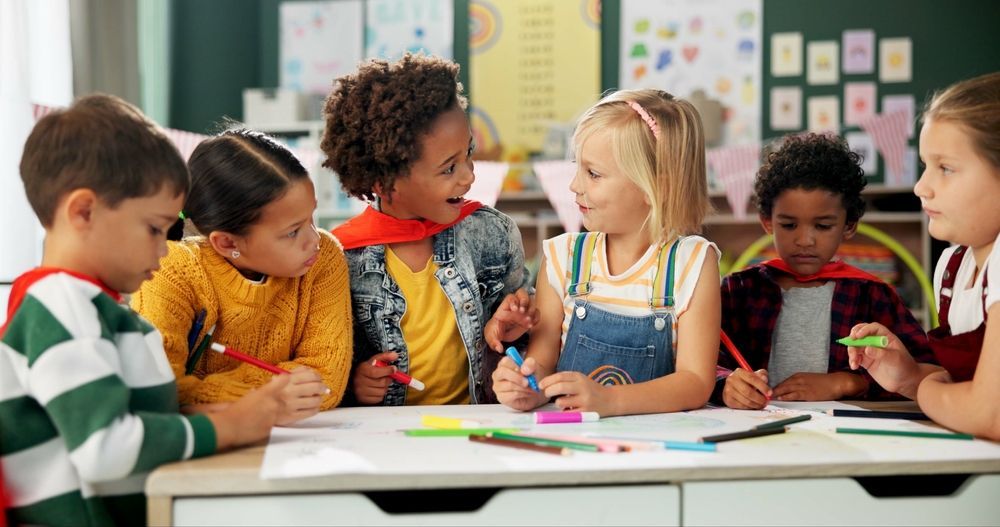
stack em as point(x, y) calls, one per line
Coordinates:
point(975, 105)
point(102, 143)
point(376, 117)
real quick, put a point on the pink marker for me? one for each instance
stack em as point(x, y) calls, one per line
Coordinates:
point(565, 417)
point(400, 377)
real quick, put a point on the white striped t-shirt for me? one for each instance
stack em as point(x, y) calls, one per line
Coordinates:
point(627, 293)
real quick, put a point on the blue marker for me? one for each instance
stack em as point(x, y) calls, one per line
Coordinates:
point(516, 357)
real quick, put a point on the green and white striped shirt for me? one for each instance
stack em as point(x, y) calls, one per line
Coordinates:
point(88, 406)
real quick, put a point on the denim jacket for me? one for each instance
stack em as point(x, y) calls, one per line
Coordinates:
point(480, 260)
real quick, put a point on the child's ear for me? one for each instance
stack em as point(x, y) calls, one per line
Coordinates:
point(79, 207)
point(850, 229)
point(765, 221)
point(223, 243)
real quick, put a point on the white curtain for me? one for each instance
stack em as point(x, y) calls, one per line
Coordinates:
point(35, 67)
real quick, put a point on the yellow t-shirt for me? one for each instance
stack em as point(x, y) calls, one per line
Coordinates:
point(436, 351)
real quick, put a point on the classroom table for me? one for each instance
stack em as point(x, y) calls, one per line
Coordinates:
point(770, 480)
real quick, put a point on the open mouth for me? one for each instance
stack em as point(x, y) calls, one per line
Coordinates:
point(456, 200)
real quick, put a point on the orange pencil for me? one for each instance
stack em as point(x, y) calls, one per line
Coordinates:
point(735, 353)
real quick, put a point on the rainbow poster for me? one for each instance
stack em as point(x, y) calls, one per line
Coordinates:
point(533, 63)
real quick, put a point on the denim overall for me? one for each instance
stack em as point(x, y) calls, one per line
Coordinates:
point(611, 348)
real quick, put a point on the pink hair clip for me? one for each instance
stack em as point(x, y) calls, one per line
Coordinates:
point(648, 119)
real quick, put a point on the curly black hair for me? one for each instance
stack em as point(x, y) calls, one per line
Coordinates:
point(810, 162)
point(375, 118)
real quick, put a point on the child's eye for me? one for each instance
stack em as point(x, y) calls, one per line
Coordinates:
point(787, 226)
point(450, 169)
point(823, 226)
point(293, 233)
point(472, 148)
point(593, 174)
point(945, 169)
point(155, 231)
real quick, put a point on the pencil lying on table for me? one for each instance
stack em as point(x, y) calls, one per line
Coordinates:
point(518, 444)
point(745, 434)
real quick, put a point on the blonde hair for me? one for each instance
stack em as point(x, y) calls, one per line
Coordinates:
point(975, 105)
point(670, 170)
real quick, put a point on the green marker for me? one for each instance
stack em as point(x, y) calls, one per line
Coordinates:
point(875, 341)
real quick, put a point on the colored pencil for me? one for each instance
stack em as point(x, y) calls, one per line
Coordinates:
point(199, 351)
point(226, 350)
point(745, 434)
point(904, 433)
point(914, 416)
point(603, 445)
point(199, 322)
point(735, 353)
point(665, 443)
point(587, 447)
point(783, 422)
point(455, 432)
point(519, 444)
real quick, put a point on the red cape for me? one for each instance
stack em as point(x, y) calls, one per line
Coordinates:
point(372, 227)
point(830, 271)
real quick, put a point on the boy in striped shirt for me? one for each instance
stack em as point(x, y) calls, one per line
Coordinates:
point(88, 404)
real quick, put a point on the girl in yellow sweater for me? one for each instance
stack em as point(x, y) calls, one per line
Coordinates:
point(270, 283)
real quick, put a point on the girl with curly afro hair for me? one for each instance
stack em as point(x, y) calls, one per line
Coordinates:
point(786, 314)
point(436, 280)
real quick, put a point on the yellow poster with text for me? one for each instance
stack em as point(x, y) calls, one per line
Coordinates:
point(534, 63)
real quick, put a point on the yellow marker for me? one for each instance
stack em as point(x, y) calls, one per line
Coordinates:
point(435, 421)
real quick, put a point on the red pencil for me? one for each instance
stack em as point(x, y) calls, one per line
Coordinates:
point(735, 353)
point(247, 359)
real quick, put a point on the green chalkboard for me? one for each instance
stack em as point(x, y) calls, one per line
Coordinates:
point(952, 40)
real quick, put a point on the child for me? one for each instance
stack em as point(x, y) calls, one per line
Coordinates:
point(785, 315)
point(270, 283)
point(959, 190)
point(617, 300)
point(87, 400)
point(428, 268)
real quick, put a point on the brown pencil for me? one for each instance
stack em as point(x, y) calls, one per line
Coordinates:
point(519, 444)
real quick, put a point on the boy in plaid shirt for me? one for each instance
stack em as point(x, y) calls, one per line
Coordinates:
point(785, 315)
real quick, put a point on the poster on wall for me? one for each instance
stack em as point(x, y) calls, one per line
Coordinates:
point(683, 46)
point(394, 27)
point(534, 67)
point(319, 41)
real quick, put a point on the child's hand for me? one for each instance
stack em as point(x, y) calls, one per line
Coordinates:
point(515, 316)
point(511, 385)
point(575, 391)
point(370, 381)
point(302, 396)
point(820, 386)
point(892, 367)
point(251, 418)
point(745, 390)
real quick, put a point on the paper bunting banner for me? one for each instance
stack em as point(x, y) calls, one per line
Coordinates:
point(555, 177)
point(889, 133)
point(489, 182)
point(736, 166)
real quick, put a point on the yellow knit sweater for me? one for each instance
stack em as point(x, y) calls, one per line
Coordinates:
point(287, 322)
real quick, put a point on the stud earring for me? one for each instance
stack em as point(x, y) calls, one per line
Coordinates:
point(236, 254)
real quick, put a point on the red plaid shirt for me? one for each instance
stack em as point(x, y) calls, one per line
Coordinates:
point(751, 302)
